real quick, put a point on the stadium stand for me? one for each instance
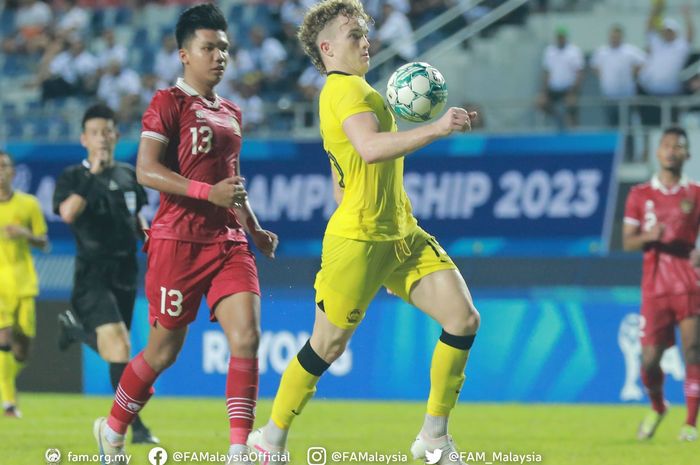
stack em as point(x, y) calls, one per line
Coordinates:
point(138, 29)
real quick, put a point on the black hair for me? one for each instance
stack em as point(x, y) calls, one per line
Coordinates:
point(202, 16)
point(99, 110)
point(677, 131)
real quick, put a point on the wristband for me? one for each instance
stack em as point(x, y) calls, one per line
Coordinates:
point(198, 190)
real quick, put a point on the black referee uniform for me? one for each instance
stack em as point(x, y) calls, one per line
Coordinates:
point(106, 234)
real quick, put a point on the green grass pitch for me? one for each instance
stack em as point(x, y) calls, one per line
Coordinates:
point(561, 434)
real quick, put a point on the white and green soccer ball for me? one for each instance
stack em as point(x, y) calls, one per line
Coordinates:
point(416, 92)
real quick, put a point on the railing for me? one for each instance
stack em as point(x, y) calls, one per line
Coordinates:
point(500, 116)
point(690, 70)
point(426, 30)
point(477, 26)
point(521, 114)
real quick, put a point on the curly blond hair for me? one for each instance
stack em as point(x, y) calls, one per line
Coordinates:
point(318, 16)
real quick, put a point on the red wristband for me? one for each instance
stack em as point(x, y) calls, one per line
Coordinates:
point(198, 190)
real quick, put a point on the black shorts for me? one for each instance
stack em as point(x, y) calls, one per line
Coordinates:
point(104, 291)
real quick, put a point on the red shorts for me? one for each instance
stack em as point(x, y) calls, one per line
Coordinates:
point(661, 314)
point(179, 273)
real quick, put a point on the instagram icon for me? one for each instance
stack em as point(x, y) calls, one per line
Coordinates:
point(316, 456)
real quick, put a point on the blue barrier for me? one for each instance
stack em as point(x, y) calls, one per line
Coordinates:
point(535, 345)
point(479, 195)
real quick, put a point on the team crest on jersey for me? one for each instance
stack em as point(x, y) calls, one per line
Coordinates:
point(236, 127)
point(199, 114)
point(354, 316)
point(687, 206)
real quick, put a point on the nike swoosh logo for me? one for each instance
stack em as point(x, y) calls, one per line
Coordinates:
point(295, 412)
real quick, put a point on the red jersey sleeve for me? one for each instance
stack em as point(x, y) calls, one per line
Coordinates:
point(634, 213)
point(239, 115)
point(160, 121)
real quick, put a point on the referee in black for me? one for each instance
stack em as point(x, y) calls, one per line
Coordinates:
point(100, 199)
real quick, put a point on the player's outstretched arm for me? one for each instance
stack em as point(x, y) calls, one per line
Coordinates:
point(655, 16)
point(374, 146)
point(635, 239)
point(151, 172)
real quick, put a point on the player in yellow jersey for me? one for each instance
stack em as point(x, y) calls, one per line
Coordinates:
point(372, 239)
point(22, 226)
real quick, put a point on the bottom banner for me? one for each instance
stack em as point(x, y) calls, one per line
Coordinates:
point(558, 344)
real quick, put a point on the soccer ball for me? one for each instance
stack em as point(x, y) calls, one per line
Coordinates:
point(416, 92)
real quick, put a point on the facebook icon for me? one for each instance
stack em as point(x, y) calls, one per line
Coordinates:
point(158, 456)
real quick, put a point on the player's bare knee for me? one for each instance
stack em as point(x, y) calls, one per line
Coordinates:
point(244, 341)
point(329, 346)
point(330, 352)
point(473, 320)
point(122, 348)
point(162, 359)
point(20, 347)
point(5, 336)
point(334, 351)
point(651, 359)
point(20, 353)
point(466, 321)
point(116, 351)
point(168, 361)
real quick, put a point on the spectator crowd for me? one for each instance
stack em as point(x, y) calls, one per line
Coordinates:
point(624, 70)
point(109, 50)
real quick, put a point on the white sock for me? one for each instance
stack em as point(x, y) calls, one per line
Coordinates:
point(274, 435)
point(238, 449)
point(434, 427)
point(112, 436)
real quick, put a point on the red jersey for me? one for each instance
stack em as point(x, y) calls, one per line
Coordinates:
point(667, 269)
point(203, 141)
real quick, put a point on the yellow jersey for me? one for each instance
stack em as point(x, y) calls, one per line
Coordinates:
point(17, 274)
point(375, 206)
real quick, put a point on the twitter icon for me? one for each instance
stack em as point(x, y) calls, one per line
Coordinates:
point(433, 457)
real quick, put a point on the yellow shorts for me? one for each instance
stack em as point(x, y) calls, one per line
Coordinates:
point(353, 271)
point(18, 313)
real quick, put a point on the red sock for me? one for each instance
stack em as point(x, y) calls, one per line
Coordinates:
point(134, 390)
point(691, 387)
point(653, 380)
point(241, 396)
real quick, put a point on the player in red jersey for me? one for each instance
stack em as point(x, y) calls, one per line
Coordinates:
point(662, 218)
point(189, 151)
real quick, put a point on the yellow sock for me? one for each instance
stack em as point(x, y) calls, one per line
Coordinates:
point(446, 378)
point(7, 377)
point(296, 388)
